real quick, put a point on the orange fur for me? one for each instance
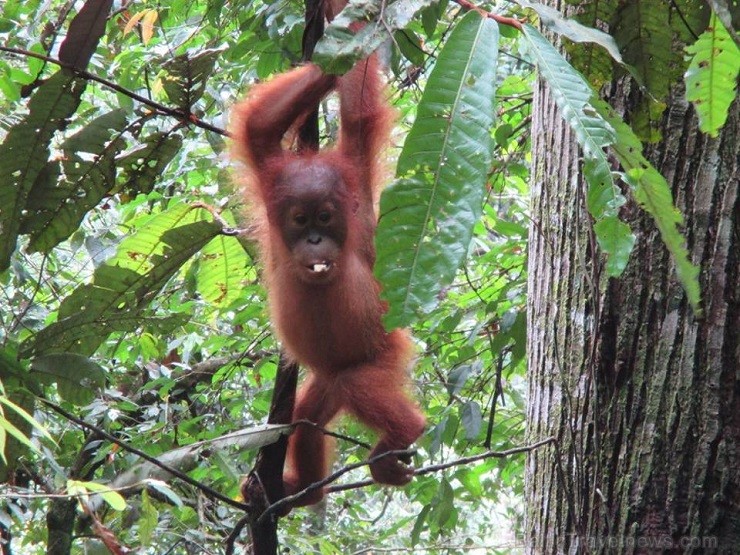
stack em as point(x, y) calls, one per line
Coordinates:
point(333, 329)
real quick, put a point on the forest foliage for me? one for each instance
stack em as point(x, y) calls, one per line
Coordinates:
point(131, 299)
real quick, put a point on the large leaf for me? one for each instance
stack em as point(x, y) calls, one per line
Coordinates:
point(711, 79)
point(184, 79)
point(143, 165)
point(14, 393)
point(728, 11)
point(340, 48)
point(77, 377)
point(593, 61)
point(123, 286)
point(25, 151)
point(573, 95)
point(74, 184)
point(222, 270)
point(643, 31)
point(575, 31)
point(428, 213)
point(84, 33)
point(651, 190)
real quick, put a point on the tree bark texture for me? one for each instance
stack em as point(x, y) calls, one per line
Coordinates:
point(643, 397)
point(60, 521)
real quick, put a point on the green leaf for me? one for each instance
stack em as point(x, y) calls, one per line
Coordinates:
point(185, 77)
point(11, 370)
point(711, 79)
point(340, 48)
point(575, 31)
point(123, 286)
point(615, 237)
point(19, 404)
point(20, 411)
point(222, 270)
point(3, 444)
point(573, 96)
point(470, 480)
point(148, 519)
point(8, 428)
point(77, 377)
point(471, 419)
point(143, 166)
point(443, 504)
point(594, 62)
point(643, 30)
point(652, 192)
point(419, 524)
point(71, 186)
point(457, 378)
point(431, 15)
point(25, 151)
point(410, 46)
point(113, 498)
point(428, 213)
point(650, 35)
point(163, 488)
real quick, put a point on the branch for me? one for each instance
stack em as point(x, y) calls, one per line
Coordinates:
point(456, 462)
point(510, 21)
point(332, 434)
point(226, 228)
point(264, 484)
point(287, 500)
point(126, 447)
point(105, 534)
point(181, 115)
point(401, 452)
point(483, 456)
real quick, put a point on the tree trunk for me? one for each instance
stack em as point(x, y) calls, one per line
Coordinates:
point(643, 397)
point(60, 521)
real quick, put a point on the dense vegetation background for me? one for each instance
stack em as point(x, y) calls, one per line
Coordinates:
point(132, 319)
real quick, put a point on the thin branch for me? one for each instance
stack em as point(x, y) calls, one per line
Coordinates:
point(483, 456)
point(235, 533)
point(183, 116)
point(23, 493)
point(126, 447)
point(457, 462)
point(332, 434)
point(510, 21)
point(288, 499)
point(226, 228)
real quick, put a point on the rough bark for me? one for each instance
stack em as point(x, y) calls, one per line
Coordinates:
point(643, 397)
point(60, 521)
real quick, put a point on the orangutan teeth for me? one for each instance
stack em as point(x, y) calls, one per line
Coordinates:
point(320, 268)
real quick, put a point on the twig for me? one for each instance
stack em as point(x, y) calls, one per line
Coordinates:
point(510, 21)
point(288, 499)
point(456, 462)
point(235, 533)
point(183, 116)
point(332, 434)
point(483, 456)
point(226, 228)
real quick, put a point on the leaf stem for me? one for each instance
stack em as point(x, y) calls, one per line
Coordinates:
point(510, 21)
